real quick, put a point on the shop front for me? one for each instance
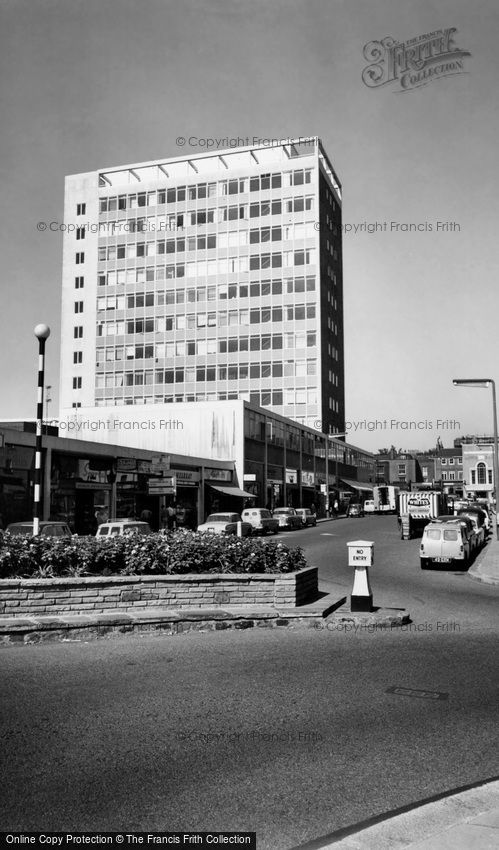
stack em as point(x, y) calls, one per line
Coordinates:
point(309, 497)
point(292, 488)
point(223, 495)
point(17, 465)
point(275, 487)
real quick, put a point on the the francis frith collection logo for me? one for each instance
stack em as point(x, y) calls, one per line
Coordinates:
point(413, 63)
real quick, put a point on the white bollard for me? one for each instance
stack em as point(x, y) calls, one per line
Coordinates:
point(239, 529)
point(361, 557)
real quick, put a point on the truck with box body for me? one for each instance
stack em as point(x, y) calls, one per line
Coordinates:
point(417, 508)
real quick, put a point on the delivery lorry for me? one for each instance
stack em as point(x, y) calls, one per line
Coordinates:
point(417, 508)
point(385, 499)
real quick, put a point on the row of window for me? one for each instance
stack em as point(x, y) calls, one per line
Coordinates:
point(234, 371)
point(181, 296)
point(209, 268)
point(223, 291)
point(200, 191)
point(299, 339)
point(222, 318)
point(182, 375)
point(175, 221)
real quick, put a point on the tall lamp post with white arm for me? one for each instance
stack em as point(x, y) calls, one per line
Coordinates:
point(484, 383)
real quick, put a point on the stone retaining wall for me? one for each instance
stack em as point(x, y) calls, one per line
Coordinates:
point(100, 594)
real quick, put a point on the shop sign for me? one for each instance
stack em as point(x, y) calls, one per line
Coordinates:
point(250, 476)
point(161, 486)
point(92, 485)
point(86, 473)
point(274, 473)
point(219, 474)
point(160, 464)
point(126, 464)
point(186, 477)
point(307, 478)
point(144, 466)
point(291, 476)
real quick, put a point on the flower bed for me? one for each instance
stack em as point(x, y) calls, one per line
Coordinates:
point(156, 554)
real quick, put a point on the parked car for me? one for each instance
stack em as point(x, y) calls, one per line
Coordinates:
point(481, 513)
point(478, 526)
point(288, 518)
point(46, 528)
point(467, 524)
point(355, 509)
point(225, 524)
point(116, 527)
point(369, 506)
point(306, 516)
point(261, 520)
point(444, 543)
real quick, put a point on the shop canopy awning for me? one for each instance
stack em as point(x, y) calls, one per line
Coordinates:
point(357, 485)
point(234, 491)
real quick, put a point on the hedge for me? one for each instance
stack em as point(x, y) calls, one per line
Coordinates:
point(132, 554)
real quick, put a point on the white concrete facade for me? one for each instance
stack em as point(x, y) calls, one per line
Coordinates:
point(211, 277)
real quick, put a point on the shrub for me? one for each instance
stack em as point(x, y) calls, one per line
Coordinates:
point(177, 553)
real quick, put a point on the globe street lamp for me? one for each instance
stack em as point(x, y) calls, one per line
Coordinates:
point(42, 333)
point(482, 383)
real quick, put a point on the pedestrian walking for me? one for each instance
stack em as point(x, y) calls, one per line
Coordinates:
point(170, 518)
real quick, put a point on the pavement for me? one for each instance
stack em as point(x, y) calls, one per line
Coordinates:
point(486, 567)
point(467, 820)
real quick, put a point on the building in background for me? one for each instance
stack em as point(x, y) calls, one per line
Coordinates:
point(277, 461)
point(205, 278)
point(448, 470)
point(478, 468)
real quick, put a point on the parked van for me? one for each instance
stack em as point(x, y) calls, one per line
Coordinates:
point(369, 506)
point(261, 519)
point(116, 527)
point(444, 543)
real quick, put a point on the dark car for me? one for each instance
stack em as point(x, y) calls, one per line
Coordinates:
point(307, 517)
point(46, 528)
point(355, 509)
point(481, 514)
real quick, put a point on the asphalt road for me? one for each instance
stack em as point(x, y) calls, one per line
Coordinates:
point(289, 733)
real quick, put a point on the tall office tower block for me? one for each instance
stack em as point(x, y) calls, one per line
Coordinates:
point(206, 277)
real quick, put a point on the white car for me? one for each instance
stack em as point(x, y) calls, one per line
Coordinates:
point(116, 527)
point(444, 543)
point(225, 524)
point(261, 520)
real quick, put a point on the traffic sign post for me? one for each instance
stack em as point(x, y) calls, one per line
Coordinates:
point(361, 557)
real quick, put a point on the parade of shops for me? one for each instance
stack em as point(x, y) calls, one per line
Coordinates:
point(224, 456)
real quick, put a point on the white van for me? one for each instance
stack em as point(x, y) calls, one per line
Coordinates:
point(444, 543)
point(117, 527)
point(369, 506)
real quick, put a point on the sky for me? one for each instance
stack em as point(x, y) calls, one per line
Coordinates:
point(87, 85)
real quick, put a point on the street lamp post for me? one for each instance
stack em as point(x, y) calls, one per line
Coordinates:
point(42, 333)
point(482, 383)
